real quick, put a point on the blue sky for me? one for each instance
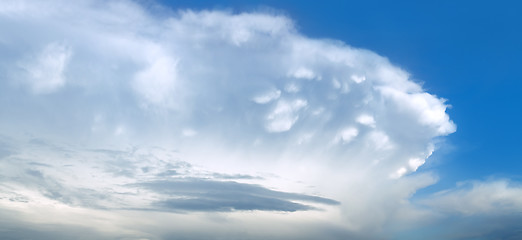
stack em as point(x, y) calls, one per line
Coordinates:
point(260, 120)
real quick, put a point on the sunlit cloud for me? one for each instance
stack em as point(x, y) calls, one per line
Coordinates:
point(120, 116)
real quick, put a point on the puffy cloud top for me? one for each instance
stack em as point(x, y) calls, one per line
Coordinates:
point(234, 93)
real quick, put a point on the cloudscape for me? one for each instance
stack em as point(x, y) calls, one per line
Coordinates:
point(137, 120)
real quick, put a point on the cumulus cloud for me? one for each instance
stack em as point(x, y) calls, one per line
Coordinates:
point(272, 120)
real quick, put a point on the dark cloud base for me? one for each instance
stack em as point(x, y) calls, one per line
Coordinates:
point(193, 194)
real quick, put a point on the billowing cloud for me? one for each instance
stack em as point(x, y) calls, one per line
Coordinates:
point(198, 115)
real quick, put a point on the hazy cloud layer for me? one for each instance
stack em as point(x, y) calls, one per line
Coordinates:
point(479, 197)
point(114, 109)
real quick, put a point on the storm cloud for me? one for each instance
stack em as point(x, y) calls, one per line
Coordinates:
point(123, 117)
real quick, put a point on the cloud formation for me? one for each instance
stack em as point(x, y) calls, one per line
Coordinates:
point(197, 114)
point(190, 194)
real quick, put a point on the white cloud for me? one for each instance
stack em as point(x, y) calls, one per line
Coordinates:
point(156, 74)
point(367, 120)
point(425, 108)
point(346, 135)
point(267, 97)
point(415, 163)
point(304, 73)
point(479, 197)
point(284, 115)
point(399, 173)
point(156, 83)
point(358, 79)
point(45, 71)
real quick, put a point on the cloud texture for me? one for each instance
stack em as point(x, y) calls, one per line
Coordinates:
point(110, 105)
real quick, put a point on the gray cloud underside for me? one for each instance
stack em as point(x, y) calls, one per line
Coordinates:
point(179, 186)
point(207, 195)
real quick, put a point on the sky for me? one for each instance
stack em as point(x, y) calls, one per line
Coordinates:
point(130, 119)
